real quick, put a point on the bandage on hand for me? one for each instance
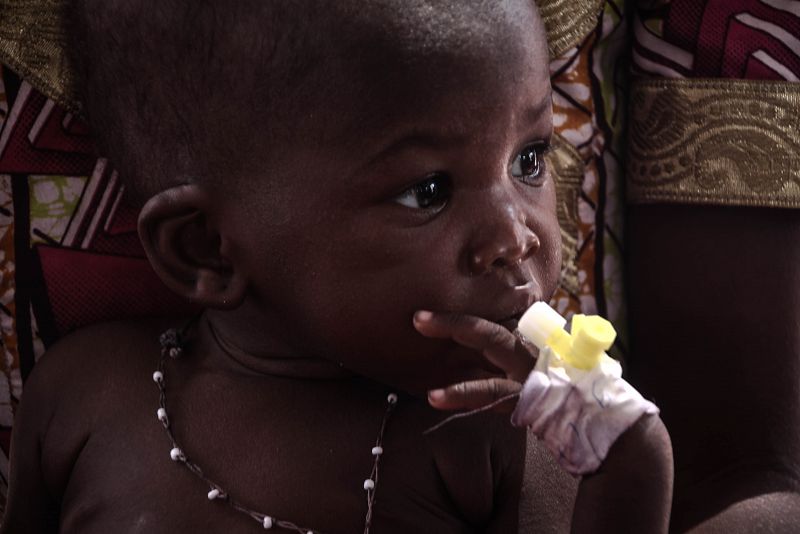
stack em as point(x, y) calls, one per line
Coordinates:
point(575, 399)
point(578, 414)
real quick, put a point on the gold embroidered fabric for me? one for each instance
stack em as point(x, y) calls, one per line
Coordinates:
point(32, 44)
point(568, 22)
point(32, 39)
point(714, 141)
point(567, 168)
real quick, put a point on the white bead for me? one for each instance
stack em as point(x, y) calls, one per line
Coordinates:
point(377, 451)
point(213, 494)
point(392, 398)
point(162, 414)
point(158, 376)
point(267, 522)
point(369, 484)
point(176, 454)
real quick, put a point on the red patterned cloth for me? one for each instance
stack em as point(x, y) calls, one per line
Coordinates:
point(749, 39)
point(69, 252)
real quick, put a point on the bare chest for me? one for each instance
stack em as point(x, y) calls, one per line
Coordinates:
point(298, 456)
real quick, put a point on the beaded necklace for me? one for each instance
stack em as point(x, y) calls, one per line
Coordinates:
point(172, 345)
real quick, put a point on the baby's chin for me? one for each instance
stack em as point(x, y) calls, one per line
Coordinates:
point(416, 365)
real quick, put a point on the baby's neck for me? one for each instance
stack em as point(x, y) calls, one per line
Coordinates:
point(253, 354)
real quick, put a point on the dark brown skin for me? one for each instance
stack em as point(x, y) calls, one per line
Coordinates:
point(735, 417)
point(313, 275)
point(628, 493)
point(297, 448)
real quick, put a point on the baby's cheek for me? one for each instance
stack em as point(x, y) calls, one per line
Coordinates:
point(554, 253)
point(554, 269)
point(549, 257)
point(551, 241)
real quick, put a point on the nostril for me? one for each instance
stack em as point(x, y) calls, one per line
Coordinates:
point(532, 246)
point(504, 257)
point(506, 246)
point(518, 253)
point(502, 260)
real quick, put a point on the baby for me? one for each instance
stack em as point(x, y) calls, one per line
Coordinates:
point(355, 195)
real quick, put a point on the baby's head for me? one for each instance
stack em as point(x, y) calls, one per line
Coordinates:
point(319, 171)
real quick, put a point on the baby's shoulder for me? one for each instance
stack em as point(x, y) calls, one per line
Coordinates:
point(90, 363)
point(99, 342)
point(84, 379)
point(78, 385)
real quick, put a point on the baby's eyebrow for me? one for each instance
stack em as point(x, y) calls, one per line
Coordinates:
point(436, 140)
point(540, 108)
point(444, 139)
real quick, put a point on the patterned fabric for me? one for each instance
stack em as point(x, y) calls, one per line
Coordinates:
point(749, 39)
point(588, 105)
point(696, 140)
point(32, 42)
point(715, 141)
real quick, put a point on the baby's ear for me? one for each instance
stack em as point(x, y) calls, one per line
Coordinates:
point(185, 249)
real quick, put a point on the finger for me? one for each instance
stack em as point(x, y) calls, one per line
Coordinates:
point(475, 394)
point(499, 346)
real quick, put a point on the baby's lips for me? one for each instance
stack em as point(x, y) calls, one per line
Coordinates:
point(510, 305)
point(511, 323)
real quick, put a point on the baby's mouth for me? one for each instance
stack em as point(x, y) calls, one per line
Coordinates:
point(510, 323)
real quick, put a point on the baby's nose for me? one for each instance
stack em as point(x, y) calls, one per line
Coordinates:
point(504, 241)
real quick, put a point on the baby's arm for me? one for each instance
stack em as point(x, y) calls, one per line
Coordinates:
point(630, 492)
point(632, 489)
point(51, 428)
point(30, 506)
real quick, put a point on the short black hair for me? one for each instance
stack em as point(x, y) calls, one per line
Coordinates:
point(173, 89)
point(182, 91)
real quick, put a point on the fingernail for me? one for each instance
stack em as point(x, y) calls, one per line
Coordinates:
point(423, 315)
point(436, 395)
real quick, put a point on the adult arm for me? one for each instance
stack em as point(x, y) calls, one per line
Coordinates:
point(715, 324)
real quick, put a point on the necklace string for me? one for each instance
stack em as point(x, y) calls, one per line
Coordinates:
point(172, 346)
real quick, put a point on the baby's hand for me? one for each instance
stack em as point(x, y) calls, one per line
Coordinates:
point(577, 413)
point(593, 421)
point(500, 347)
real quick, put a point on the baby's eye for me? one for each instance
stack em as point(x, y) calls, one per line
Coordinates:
point(430, 194)
point(529, 164)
